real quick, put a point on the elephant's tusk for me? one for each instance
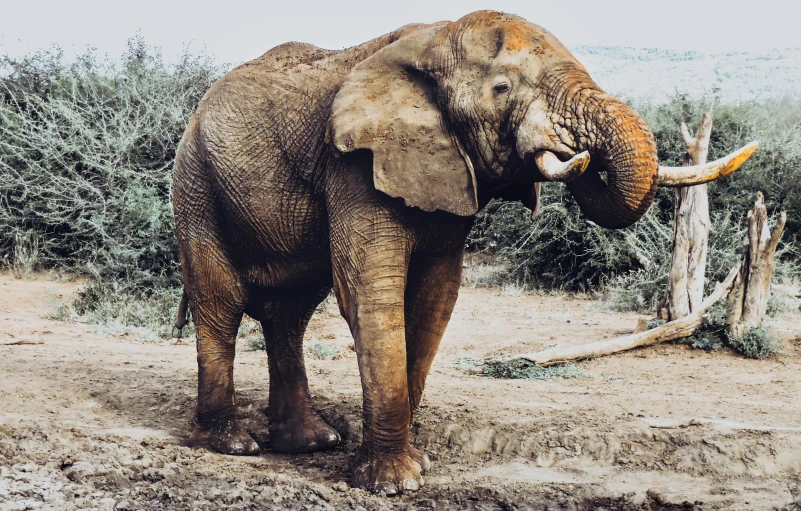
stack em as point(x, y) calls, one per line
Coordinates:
point(555, 170)
point(704, 173)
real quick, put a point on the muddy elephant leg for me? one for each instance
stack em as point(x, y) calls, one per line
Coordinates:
point(431, 292)
point(217, 302)
point(295, 426)
point(369, 278)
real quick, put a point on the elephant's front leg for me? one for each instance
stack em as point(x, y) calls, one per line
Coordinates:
point(431, 291)
point(369, 278)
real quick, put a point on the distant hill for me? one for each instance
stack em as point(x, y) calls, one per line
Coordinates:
point(656, 74)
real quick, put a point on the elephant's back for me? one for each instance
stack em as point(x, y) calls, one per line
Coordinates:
point(290, 55)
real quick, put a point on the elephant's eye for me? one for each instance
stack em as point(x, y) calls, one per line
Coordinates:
point(501, 88)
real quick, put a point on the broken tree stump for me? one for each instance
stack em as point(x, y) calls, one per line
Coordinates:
point(748, 301)
point(685, 286)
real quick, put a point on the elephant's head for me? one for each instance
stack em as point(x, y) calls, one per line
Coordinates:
point(456, 110)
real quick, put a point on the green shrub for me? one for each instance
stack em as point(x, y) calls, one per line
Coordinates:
point(756, 343)
point(119, 308)
point(641, 289)
point(559, 250)
point(706, 343)
point(86, 150)
point(775, 169)
point(321, 350)
point(525, 370)
point(85, 155)
point(255, 344)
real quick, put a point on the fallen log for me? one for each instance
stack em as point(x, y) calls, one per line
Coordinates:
point(677, 329)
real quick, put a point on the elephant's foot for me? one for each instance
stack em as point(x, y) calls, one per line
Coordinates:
point(306, 433)
point(390, 474)
point(226, 438)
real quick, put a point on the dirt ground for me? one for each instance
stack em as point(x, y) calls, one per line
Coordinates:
point(94, 422)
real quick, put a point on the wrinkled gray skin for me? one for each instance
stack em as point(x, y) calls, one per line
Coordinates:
point(361, 170)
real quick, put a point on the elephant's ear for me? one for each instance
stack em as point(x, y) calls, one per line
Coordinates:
point(387, 104)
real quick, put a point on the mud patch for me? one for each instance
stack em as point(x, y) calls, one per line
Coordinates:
point(92, 422)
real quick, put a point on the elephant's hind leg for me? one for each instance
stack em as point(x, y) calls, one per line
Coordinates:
point(217, 301)
point(295, 426)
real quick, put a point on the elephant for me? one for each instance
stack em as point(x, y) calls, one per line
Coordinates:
point(361, 170)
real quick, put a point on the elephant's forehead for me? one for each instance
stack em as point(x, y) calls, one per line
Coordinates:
point(520, 36)
point(516, 34)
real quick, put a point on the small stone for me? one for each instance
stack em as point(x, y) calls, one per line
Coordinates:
point(79, 471)
point(322, 492)
point(658, 496)
point(29, 467)
point(213, 494)
point(340, 486)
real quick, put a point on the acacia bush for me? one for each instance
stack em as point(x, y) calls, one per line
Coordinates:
point(86, 150)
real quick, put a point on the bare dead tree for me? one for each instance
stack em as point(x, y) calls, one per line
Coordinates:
point(748, 301)
point(685, 286)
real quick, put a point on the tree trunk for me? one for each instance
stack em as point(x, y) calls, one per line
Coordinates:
point(748, 301)
point(685, 287)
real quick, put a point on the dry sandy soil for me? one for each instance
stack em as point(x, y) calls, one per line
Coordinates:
point(95, 422)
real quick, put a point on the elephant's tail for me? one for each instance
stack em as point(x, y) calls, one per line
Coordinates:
point(182, 317)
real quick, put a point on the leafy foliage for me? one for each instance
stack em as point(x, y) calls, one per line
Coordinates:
point(85, 155)
point(86, 150)
point(525, 370)
point(705, 343)
point(320, 350)
point(559, 250)
point(119, 307)
point(756, 343)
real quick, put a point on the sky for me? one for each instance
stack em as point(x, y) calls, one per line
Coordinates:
point(235, 31)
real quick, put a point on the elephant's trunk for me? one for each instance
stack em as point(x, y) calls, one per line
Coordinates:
point(622, 149)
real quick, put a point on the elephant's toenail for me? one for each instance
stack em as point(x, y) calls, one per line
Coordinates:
point(410, 484)
point(386, 488)
point(426, 462)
